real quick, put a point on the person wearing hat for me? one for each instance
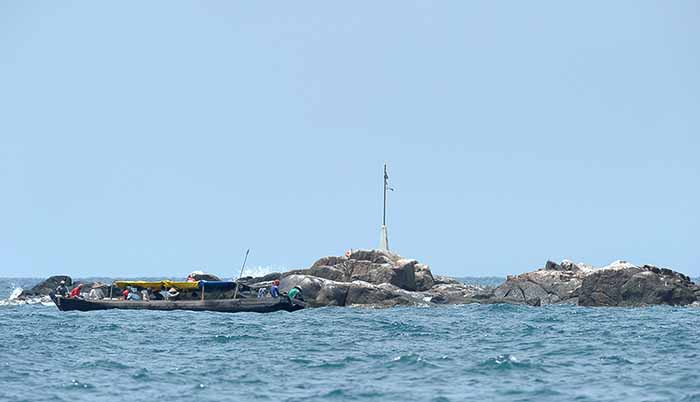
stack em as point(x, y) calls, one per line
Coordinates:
point(96, 292)
point(275, 288)
point(62, 290)
point(172, 294)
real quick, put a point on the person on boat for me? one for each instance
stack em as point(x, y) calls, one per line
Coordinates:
point(75, 293)
point(275, 288)
point(96, 292)
point(125, 293)
point(133, 296)
point(62, 290)
point(295, 293)
point(169, 294)
point(158, 295)
point(261, 293)
point(145, 294)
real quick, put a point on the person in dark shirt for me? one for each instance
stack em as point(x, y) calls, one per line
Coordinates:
point(62, 290)
point(156, 295)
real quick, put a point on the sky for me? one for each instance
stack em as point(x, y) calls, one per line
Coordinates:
point(155, 138)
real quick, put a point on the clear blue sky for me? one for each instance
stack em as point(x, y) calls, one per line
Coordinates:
point(149, 138)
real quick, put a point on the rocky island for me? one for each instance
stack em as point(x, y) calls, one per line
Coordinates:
point(380, 278)
point(377, 278)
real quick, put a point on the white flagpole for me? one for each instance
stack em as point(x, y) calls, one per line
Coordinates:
point(384, 236)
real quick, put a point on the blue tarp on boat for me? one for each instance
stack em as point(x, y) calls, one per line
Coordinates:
point(217, 285)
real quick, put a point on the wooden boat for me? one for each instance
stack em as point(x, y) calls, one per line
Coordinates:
point(253, 305)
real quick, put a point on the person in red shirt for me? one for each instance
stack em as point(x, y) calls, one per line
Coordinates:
point(75, 292)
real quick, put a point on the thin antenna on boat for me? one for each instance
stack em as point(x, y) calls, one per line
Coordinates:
point(235, 293)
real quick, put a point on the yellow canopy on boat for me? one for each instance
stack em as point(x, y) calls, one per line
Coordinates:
point(157, 284)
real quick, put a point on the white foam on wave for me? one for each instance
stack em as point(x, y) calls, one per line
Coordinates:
point(262, 270)
point(14, 300)
point(15, 293)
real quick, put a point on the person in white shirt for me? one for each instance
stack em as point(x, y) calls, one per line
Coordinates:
point(96, 293)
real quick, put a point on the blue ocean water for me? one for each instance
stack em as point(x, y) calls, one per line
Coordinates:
point(453, 353)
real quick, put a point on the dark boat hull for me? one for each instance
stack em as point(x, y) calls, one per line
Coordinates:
point(266, 305)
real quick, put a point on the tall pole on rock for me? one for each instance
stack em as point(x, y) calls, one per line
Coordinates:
point(386, 185)
point(384, 236)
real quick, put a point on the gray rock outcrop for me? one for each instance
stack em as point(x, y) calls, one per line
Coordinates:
point(47, 286)
point(553, 284)
point(424, 278)
point(618, 284)
point(320, 292)
point(371, 266)
point(636, 286)
point(376, 278)
point(457, 293)
point(203, 276)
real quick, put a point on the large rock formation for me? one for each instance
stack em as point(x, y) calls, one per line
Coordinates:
point(636, 286)
point(325, 292)
point(424, 278)
point(47, 286)
point(555, 283)
point(203, 276)
point(376, 278)
point(457, 293)
point(371, 266)
point(618, 284)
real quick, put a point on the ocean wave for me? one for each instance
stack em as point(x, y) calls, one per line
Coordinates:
point(615, 360)
point(79, 385)
point(411, 359)
point(231, 338)
point(352, 394)
point(105, 364)
point(141, 375)
point(260, 270)
point(504, 362)
point(16, 292)
point(15, 300)
point(328, 365)
point(337, 393)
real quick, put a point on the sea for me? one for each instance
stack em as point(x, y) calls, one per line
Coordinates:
point(444, 353)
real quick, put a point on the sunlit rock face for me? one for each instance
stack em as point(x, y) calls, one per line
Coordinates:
point(376, 278)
